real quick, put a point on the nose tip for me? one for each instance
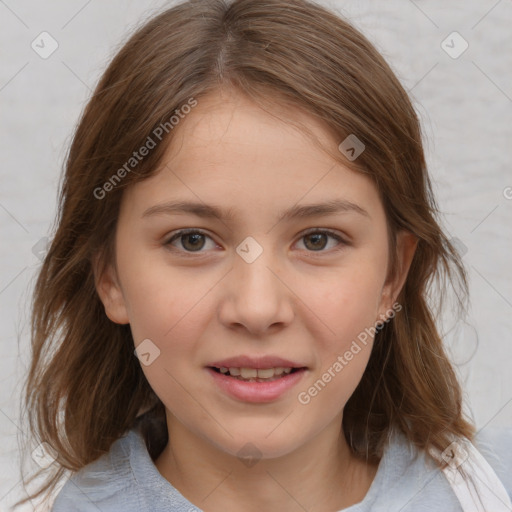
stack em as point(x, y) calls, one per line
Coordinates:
point(255, 297)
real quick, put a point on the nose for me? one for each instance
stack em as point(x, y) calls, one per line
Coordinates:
point(255, 296)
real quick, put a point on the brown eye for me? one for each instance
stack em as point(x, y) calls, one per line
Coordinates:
point(189, 241)
point(318, 240)
point(192, 241)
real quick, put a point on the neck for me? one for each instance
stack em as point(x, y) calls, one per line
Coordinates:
point(321, 475)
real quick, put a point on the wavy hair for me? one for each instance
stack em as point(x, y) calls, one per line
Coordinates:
point(84, 387)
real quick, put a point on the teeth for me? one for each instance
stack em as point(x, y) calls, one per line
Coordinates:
point(248, 373)
point(264, 374)
point(253, 373)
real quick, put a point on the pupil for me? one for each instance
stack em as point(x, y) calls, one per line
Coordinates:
point(317, 237)
point(196, 237)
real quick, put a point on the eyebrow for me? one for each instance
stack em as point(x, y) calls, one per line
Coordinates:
point(295, 212)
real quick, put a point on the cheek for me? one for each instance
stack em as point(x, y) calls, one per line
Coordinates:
point(161, 300)
point(347, 302)
point(167, 311)
point(348, 311)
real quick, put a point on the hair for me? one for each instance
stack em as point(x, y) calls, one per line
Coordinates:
point(85, 388)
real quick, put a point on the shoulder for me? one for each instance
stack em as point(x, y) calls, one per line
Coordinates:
point(106, 483)
point(495, 444)
point(126, 479)
point(410, 481)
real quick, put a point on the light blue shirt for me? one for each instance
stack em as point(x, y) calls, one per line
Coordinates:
point(126, 480)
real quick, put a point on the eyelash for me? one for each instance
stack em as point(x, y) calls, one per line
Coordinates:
point(193, 254)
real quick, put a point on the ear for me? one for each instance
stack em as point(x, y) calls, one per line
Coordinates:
point(110, 291)
point(406, 244)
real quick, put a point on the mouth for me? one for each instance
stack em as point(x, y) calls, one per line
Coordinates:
point(256, 374)
point(256, 378)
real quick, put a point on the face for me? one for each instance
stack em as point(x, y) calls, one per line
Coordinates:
point(278, 299)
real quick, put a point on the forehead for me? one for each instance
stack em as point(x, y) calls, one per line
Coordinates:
point(230, 120)
point(230, 151)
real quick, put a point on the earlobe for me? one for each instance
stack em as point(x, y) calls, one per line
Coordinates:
point(110, 292)
point(406, 243)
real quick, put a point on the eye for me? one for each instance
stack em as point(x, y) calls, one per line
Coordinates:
point(194, 240)
point(317, 239)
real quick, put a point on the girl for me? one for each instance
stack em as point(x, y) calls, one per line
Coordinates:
point(234, 310)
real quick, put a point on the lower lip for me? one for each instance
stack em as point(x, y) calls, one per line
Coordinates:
point(256, 391)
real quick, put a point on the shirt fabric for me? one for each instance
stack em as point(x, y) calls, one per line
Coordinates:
point(127, 480)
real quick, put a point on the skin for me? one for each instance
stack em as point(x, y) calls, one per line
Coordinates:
point(293, 301)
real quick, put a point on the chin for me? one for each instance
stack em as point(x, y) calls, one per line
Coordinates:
point(258, 445)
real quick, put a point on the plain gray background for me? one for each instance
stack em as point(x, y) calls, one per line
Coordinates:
point(465, 104)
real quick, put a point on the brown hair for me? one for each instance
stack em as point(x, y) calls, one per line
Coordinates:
point(85, 386)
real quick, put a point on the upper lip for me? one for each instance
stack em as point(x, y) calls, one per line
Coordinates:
point(260, 362)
